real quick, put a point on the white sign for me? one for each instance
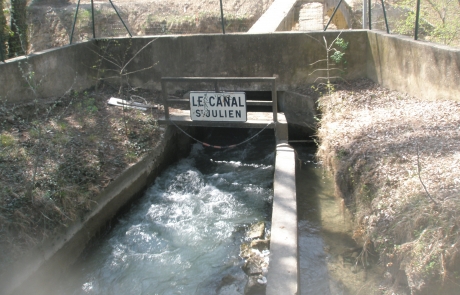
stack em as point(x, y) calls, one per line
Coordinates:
point(218, 106)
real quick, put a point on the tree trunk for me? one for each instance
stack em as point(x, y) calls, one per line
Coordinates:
point(17, 42)
point(3, 33)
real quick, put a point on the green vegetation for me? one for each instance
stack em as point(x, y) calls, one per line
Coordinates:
point(439, 20)
point(332, 67)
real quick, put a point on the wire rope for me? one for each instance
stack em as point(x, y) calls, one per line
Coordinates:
point(219, 146)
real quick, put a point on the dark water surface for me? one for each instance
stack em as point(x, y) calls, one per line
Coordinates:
point(327, 252)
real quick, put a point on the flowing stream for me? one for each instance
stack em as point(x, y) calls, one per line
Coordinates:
point(330, 261)
point(184, 235)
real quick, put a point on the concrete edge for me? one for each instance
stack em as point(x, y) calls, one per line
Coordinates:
point(36, 271)
point(283, 268)
point(278, 17)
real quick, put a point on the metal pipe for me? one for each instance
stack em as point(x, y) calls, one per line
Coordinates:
point(213, 79)
point(74, 21)
point(364, 13)
point(222, 17)
point(417, 18)
point(370, 14)
point(92, 16)
point(385, 16)
point(164, 91)
point(120, 18)
point(333, 14)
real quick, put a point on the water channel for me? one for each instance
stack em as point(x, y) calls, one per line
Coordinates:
point(329, 258)
point(184, 235)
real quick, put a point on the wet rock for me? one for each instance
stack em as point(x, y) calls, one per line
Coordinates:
point(256, 231)
point(245, 250)
point(260, 244)
point(255, 252)
point(254, 287)
point(253, 266)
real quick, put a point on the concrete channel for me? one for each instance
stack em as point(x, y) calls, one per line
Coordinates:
point(40, 268)
point(424, 70)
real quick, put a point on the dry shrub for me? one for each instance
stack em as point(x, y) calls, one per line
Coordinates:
point(66, 152)
point(396, 162)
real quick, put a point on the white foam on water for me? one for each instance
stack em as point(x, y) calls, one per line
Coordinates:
point(184, 234)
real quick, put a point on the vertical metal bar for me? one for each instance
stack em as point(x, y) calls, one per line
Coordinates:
point(364, 13)
point(370, 14)
point(274, 101)
point(164, 91)
point(385, 16)
point(222, 17)
point(92, 16)
point(120, 18)
point(333, 14)
point(417, 18)
point(74, 21)
point(216, 86)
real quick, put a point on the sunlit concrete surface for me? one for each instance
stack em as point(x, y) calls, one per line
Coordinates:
point(282, 272)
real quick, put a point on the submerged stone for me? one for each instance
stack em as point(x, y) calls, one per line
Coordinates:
point(256, 231)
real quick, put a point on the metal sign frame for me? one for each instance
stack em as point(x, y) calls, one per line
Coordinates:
point(216, 80)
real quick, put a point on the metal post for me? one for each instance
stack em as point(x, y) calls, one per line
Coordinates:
point(165, 98)
point(74, 21)
point(222, 17)
point(385, 16)
point(364, 13)
point(274, 101)
point(370, 14)
point(120, 18)
point(92, 16)
point(333, 14)
point(417, 17)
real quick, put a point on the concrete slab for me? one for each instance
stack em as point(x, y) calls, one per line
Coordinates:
point(254, 120)
point(279, 17)
point(282, 272)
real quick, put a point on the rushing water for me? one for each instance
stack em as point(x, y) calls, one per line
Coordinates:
point(183, 236)
point(328, 255)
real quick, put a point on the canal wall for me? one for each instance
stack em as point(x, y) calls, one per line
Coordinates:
point(37, 270)
point(422, 69)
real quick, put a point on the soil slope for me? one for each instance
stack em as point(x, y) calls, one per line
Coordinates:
point(50, 22)
point(396, 163)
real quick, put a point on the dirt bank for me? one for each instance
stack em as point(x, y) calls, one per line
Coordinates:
point(57, 155)
point(50, 21)
point(396, 163)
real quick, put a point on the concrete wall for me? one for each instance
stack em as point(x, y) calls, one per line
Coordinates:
point(50, 73)
point(287, 55)
point(421, 69)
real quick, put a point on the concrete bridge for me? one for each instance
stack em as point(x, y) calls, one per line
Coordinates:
point(420, 69)
point(304, 15)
